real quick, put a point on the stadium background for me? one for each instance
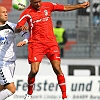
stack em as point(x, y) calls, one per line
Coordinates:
point(82, 27)
point(81, 56)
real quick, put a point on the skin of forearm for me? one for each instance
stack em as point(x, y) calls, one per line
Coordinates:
point(72, 7)
point(18, 30)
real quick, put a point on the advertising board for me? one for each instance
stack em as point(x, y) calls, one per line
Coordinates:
point(82, 80)
point(46, 88)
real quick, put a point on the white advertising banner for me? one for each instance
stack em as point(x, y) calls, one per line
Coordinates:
point(46, 88)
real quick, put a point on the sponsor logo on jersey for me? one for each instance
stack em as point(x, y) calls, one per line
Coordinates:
point(3, 40)
point(43, 19)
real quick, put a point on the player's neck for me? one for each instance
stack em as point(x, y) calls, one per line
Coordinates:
point(2, 23)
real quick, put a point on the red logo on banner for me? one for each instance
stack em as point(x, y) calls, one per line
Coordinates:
point(7, 4)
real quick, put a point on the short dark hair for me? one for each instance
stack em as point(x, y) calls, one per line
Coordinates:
point(59, 22)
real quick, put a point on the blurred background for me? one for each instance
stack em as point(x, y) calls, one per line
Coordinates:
point(82, 27)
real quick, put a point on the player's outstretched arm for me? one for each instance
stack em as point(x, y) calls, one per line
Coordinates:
point(77, 6)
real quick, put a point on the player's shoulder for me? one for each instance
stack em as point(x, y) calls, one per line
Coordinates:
point(11, 24)
point(48, 3)
point(7, 22)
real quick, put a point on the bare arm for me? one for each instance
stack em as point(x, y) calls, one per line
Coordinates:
point(19, 29)
point(77, 6)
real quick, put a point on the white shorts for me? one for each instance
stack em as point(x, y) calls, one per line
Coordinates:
point(6, 72)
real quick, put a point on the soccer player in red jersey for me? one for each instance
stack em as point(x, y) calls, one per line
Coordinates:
point(42, 40)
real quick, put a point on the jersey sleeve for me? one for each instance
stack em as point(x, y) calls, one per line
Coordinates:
point(56, 6)
point(25, 35)
point(22, 20)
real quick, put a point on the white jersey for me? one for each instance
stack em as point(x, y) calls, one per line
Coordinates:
point(7, 42)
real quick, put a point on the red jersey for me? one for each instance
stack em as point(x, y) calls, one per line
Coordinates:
point(40, 22)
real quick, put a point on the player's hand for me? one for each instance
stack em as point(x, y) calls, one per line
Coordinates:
point(85, 4)
point(21, 43)
point(22, 28)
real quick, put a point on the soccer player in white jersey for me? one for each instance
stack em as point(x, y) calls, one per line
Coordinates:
point(8, 54)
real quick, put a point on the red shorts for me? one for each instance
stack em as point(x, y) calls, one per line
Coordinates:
point(37, 52)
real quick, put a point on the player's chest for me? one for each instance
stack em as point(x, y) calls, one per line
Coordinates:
point(41, 15)
point(6, 34)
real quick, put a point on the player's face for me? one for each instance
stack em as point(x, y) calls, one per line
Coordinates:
point(36, 4)
point(3, 15)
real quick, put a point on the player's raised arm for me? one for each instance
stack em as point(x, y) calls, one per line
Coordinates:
point(77, 6)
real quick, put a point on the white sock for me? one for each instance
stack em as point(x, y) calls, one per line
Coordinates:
point(4, 94)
